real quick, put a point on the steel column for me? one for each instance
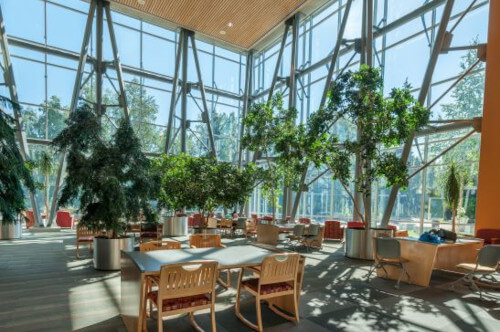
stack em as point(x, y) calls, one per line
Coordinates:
point(98, 65)
point(184, 87)
point(292, 99)
point(123, 96)
point(206, 116)
point(246, 101)
point(173, 99)
point(329, 76)
point(441, 34)
point(11, 83)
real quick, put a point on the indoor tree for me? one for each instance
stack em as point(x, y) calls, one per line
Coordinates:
point(382, 123)
point(273, 135)
point(46, 166)
point(111, 179)
point(14, 172)
point(202, 183)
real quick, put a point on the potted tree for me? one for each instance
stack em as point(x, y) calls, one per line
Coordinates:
point(381, 123)
point(14, 173)
point(204, 184)
point(111, 178)
point(174, 194)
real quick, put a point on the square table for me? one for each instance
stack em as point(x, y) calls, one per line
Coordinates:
point(137, 265)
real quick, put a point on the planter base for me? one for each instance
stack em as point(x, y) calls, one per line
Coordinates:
point(107, 252)
point(11, 231)
point(175, 226)
point(359, 242)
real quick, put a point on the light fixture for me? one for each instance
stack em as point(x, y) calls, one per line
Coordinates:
point(222, 32)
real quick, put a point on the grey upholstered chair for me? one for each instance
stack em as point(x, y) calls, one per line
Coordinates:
point(486, 265)
point(296, 237)
point(388, 252)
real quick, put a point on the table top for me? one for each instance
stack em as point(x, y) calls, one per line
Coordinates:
point(460, 241)
point(228, 257)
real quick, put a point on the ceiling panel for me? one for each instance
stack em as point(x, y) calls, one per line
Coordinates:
point(239, 22)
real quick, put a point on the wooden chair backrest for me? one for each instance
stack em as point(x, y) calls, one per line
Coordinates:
point(226, 222)
point(205, 240)
point(279, 268)
point(170, 244)
point(84, 231)
point(187, 279)
point(267, 234)
point(212, 223)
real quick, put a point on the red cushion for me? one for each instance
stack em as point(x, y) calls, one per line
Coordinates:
point(355, 224)
point(181, 302)
point(269, 288)
point(487, 234)
point(86, 239)
point(305, 221)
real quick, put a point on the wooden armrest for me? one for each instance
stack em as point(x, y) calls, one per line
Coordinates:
point(223, 246)
point(193, 246)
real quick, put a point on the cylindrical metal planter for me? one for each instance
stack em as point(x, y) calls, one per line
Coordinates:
point(359, 242)
point(10, 231)
point(107, 252)
point(175, 226)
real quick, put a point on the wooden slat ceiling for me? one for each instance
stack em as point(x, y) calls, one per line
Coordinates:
point(244, 22)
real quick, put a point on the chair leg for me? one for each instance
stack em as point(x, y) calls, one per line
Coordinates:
point(212, 316)
point(194, 324)
point(160, 321)
point(372, 269)
point(77, 250)
point(259, 314)
point(401, 274)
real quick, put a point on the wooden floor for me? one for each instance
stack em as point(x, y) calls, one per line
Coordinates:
point(44, 288)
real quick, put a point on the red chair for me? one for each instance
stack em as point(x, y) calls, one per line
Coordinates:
point(355, 224)
point(305, 221)
point(191, 222)
point(267, 218)
point(30, 222)
point(64, 219)
point(489, 235)
point(334, 230)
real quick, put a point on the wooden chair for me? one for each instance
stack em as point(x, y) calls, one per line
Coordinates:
point(84, 235)
point(184, 288)
point(267, 234)
point(226, 226)
point(148, 232)
point(277, 277)
point(250, 228)
point(159, 245)
point(210, 241)
point(30, 218)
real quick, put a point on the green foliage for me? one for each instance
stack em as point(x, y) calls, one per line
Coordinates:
point(46, 165)
point(14, 172)
point(381, 122)
point(452, 187)
point(112, 179)
point(202, 183)
point(272, 133)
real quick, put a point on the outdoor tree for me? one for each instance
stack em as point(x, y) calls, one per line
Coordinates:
point(467, 103)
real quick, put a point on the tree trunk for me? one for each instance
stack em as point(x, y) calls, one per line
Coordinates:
point(453, 217)
point(46, 202)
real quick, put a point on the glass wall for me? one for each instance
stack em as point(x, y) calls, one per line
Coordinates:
point(402, 53)
point(45, 41)
point(45, 54)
